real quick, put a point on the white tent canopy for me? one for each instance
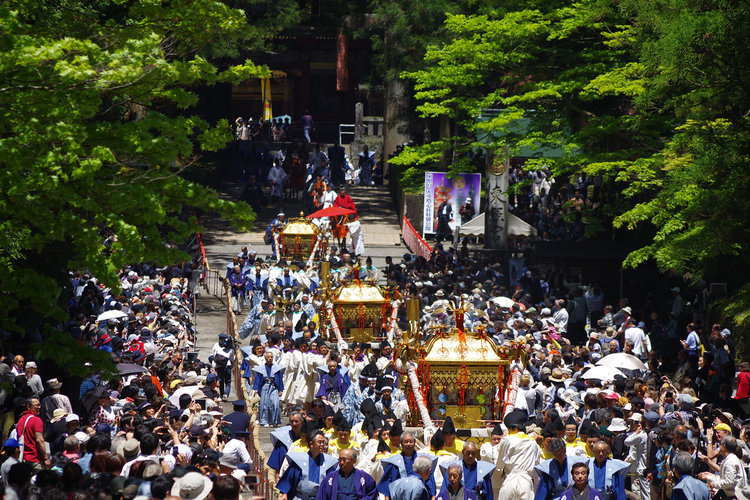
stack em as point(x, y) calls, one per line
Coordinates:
point(516, 227)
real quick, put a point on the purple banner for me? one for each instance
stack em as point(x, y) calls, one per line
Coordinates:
point(438, 188)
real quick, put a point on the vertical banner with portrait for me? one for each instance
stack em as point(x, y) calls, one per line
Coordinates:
point(439, 188)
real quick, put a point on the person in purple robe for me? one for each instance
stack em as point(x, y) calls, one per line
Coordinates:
point(347, 483)
point(238, 282)
point(333, 385)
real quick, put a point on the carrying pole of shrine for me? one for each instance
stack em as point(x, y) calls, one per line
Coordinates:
point(412, 316)
point(325, 286)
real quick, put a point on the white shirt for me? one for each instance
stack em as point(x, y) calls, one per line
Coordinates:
point(328, 198)
point(517, 455)
point(520, 402)
point(235, 452)
point(637, 456)
point(561, 319)
point(638, 337)
point(228, 353)
point(169, 459)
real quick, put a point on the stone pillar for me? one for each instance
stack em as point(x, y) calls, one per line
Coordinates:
point(359, 113)
point(496, 216)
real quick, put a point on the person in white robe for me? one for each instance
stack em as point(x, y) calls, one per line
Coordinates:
point(276, 179)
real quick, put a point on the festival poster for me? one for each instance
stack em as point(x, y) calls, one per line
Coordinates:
point(438, 188)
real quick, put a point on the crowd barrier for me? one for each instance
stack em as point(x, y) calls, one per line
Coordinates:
point(217, 285)
point(414, 241)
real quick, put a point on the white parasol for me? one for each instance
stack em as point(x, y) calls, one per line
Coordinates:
point(111, 314)
point(603, 373)
point(622, 360)
point(503, 301)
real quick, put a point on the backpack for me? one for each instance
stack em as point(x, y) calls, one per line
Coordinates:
point(220, 361)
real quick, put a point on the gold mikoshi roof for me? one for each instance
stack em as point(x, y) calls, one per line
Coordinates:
point(448, 350)
point(300, 226)
point(356, 293)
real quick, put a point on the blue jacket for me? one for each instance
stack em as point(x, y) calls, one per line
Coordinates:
point(593, 494)
point(282, 439)
point(689, 488)
point(615, 472)
point(410, 488)
point(364, 486)
point(395, 467)
point(552, 483)
point(483, 477)
point(300, 480)
point(468, 495)
point(260, 373)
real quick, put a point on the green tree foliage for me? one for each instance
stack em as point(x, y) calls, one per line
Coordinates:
point(400, 32)
point(94, 133)
point(548, 66)
point(696, 59)
point(652, 97)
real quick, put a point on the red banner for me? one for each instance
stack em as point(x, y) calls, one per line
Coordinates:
point(342, 62)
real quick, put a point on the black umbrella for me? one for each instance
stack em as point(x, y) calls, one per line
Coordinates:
point(130, 369)
point(89, 399)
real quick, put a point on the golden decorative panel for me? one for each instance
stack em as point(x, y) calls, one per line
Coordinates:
point(356, 293)
point(299, 226)
point(450, 350)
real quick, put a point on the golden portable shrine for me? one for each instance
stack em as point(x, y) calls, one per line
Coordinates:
point(360, 309)
point(300, 239)
point(463, 374)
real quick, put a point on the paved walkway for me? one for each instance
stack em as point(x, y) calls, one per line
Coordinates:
point(380, 226)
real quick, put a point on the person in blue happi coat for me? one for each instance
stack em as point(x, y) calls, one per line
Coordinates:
point(477, 474)
point(276, 226)
point(286, 280)
point(581, 489)
point(251, 323)
point(357, 393)
point(554, 474)
point(282, 439)
point(607, 474)
point(413, 487)
point(400, 465)
point(269, 384)
point(256, 286)
point(455, 488)
point(302, 478)
point(347, 483)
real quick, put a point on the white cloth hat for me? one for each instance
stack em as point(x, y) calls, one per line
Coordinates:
point(617, 425)
point(192, 486)
point(82, 437)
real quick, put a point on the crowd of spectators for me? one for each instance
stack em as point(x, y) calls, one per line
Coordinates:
point(664, 424)
point(556, 209)
point(156, 428)
point(665, 416)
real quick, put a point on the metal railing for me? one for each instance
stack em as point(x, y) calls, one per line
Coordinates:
point(218, 286)
point(346, 129)
point(213, 283)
